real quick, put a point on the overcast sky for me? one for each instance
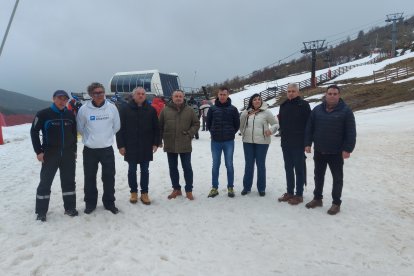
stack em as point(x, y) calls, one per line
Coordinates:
point(67, 44)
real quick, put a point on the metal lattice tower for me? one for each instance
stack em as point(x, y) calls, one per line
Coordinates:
point(313, 47)
point(394, 18)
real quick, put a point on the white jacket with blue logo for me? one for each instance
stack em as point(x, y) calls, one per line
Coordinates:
point(98, 125)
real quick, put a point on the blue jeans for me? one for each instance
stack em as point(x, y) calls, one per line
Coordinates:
point(132, 176)
point(294, 164)
point(188, 170)
point(227, 147)
point(255, 153)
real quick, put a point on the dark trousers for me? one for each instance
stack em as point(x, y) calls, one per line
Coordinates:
point(336, 164)
point(132, 176)
point(294, 159)
point(204, 123)
point(91, 159)
point(65, 162)
point(186, 165)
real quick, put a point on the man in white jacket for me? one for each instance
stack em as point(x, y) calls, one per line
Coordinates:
point(98, 122)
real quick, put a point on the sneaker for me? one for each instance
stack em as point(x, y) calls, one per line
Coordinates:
point(71, 212)
point(89, 209)
point(214, 192)
point(230, 192)
point(295, 200)
point(174, 194)
point(262, 193)
point(189, 195)
point(145, 199)
point(314, 203)
point(335, 209)
point(133, 198)
point(112, 209)
point(41, 217)
point(285, 197)
point(244, 192)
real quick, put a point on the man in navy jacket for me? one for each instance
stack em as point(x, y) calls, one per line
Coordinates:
point(223, 122)
point(331, 127)
point(57, 150)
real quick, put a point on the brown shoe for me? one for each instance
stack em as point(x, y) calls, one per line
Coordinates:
point(190, 195)
point(133, 198)
point(285, 197)
point(174, 194)
point(295, 200)
point(314, 203)
point(335, 209)
point(145, 199)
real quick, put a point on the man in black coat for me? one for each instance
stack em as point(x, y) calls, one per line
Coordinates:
point(293, 115)
point(137, 140)
point(56, 151)
point(331, 127)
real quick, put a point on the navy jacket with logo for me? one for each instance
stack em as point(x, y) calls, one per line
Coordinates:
point(58, 130)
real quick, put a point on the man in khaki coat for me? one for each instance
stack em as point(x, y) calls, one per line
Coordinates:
point(178, 124)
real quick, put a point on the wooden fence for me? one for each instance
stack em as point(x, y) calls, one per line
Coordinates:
point(273, 92)
point(393, 73)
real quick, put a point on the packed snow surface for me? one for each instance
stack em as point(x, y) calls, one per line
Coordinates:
point(245, 235)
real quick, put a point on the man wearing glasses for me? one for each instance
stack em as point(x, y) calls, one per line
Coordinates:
point(56, 151)
point(98, 122)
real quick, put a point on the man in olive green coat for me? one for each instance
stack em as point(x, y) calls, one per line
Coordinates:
point(178, 124)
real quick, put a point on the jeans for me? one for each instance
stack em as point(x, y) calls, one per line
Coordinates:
point(255, 153)
point(294, 165)
point(186, 165)
point(227, 147)
point(91, 159)
point(132, 177)
point(336, 165)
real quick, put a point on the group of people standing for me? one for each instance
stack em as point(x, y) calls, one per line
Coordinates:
point(140, 131)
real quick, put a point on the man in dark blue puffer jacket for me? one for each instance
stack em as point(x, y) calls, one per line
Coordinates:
point(331, 127)
point(223, 122)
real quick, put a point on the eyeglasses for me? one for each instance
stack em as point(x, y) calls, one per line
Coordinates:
point(98, 93)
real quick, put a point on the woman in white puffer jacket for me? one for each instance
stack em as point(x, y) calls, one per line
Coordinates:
point(257, 124)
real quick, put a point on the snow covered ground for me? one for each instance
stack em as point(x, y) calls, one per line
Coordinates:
point(250, 235)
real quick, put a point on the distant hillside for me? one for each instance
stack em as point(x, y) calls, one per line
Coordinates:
point(347, 50)
point(13, 103)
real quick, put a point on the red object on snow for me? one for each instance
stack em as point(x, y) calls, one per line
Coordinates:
point(159, 104)
point(2, 123)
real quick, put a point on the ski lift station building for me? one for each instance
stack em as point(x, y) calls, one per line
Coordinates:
point(154, 82)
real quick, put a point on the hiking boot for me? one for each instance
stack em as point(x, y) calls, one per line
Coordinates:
point(174, 194)
point(145, 199)
point(189, 195)
point(89, 209)
point(244, 192)
point(214, 192)
point(41, 217)
point(230, 192)
point(285, 197)
point(112, 209)
point(295, 200)
point(134, 197)
point(71, 212)
point(314, 203)
point(262, 193)
point(335, 209)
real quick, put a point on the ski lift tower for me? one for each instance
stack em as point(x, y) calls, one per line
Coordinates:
point(393, 18)
point(313, 47)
